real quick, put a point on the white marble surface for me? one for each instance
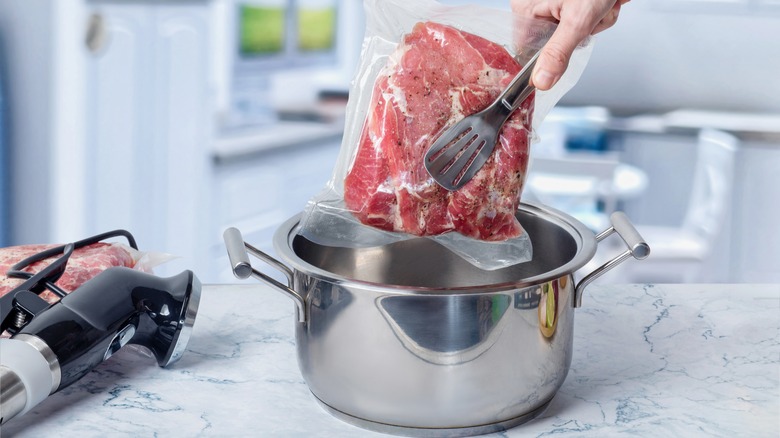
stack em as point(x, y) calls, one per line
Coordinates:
point(664, 360)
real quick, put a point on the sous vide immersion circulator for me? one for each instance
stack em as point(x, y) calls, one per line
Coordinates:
point(53, 345)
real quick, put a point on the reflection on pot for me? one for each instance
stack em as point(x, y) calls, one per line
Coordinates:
point(325, 299)
point(548, 305)
point(527, 298)
point(446, 330)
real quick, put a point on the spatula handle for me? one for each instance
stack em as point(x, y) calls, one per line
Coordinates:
point(520, 87)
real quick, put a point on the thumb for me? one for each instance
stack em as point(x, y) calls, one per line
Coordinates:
point(555, 55)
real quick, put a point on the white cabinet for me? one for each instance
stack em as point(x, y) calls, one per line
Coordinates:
point(116, 137)
point(257, 192)
point(148, 126)
point(756, 213)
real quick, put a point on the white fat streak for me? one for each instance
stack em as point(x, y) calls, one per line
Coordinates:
point(387, 187)
point(493, 197)
point(457, 107)
point(491, 205)
point(436, 34)
point(395, 92)
point(519, 121)
point(397, 95)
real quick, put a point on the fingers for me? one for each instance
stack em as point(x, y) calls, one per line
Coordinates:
point(576, 21)
point(610, 19)
point(554, 57)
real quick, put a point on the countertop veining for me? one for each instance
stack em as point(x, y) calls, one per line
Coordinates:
point(649, 360)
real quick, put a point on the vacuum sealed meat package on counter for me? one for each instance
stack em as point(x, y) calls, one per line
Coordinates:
point(85, 262)
point(424, 67)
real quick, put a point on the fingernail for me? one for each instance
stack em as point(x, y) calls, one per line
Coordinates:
point(544, 80)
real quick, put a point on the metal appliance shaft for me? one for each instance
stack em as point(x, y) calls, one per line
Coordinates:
point(13, 396)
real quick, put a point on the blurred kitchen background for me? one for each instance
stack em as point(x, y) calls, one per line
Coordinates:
point(176, 119)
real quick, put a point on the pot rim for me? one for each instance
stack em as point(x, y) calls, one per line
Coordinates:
point(584, 238)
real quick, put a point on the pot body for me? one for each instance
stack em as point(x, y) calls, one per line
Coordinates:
point(436, 360)
point(411, 337)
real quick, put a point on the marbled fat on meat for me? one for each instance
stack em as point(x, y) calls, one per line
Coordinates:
point(437, 76)
point(84, 264)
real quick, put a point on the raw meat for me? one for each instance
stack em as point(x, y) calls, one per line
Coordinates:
point(437, 76)
point(84, 264)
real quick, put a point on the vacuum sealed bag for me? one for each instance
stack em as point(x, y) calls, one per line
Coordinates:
point(84, 264)
point(425, 66)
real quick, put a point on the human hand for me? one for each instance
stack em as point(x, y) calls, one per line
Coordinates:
point(577, 19)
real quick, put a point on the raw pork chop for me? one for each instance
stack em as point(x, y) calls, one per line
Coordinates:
point(437, 76)
point(84, 264)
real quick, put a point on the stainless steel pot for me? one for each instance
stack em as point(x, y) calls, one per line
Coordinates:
point(410, 339)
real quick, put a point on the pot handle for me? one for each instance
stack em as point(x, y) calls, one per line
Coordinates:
point(238, 253)
point(637, 247)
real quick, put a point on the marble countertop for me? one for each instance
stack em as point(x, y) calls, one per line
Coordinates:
point(649, 360)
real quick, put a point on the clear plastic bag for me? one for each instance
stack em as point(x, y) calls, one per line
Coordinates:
point(84, 264)
point(423, 67)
